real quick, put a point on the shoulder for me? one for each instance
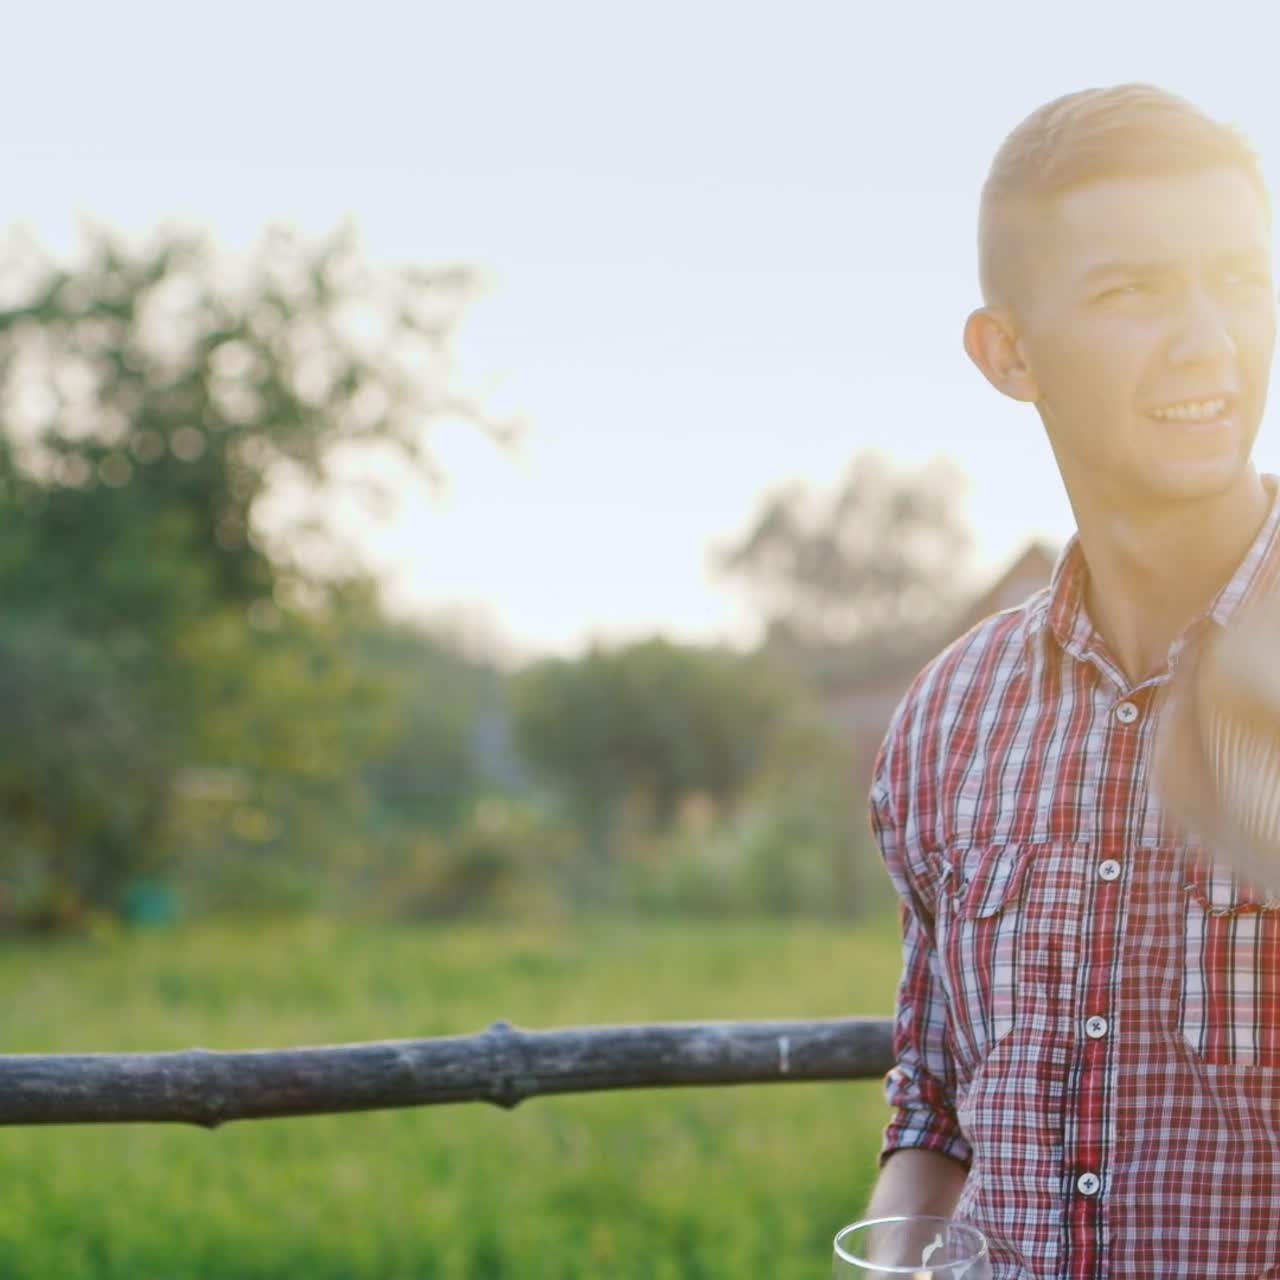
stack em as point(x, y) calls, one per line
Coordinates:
point(973, 673)
point(981, 683)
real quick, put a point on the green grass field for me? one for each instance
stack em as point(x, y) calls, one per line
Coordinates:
point(683, 1184)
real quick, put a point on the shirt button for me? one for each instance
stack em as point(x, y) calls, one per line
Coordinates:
point(1109, 870)
point(1088, 1184)
point(1126, 712)
point(1096, 1027)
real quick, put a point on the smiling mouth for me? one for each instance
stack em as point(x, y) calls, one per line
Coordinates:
point(1195, 413)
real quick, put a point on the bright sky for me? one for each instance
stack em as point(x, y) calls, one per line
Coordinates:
point(727, 243)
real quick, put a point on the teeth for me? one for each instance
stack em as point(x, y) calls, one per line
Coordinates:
point(1193, 411)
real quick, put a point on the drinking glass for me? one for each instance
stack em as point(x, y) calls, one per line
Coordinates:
point(919, 1247)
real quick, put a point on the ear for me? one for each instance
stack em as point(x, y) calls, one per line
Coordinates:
point(993, 346)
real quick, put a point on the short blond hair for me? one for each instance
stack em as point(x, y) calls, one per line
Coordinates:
point(1122, 131)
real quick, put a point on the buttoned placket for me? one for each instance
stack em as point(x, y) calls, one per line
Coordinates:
point(1089, 1125)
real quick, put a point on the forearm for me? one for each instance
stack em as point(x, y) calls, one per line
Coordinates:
point(917, 1181)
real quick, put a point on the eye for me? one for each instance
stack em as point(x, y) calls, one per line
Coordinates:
point(1130, 290)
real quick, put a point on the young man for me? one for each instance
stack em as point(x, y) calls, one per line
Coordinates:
point(1088, 1022)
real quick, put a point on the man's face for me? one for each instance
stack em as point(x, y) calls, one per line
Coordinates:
point(1147, 317)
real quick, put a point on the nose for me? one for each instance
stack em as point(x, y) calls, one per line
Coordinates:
point(1203, 335)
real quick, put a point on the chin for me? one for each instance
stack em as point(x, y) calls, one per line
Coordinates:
point(1204, 480)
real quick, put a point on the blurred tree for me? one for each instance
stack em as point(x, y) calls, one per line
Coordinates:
point(152, 401)
point(880, 560)
point(72, 752)
point(450, 743)
point(278, 721)
point(645, 726)
point(162, 389)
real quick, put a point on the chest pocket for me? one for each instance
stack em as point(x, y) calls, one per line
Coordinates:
point(977, 931)
point(1229, 1011)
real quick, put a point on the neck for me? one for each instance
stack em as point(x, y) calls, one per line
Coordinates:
point(1153, 571)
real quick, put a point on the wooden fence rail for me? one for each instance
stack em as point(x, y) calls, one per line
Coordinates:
point(503, 1064)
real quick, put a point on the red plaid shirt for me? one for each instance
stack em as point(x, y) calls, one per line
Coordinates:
point(1089, 1010)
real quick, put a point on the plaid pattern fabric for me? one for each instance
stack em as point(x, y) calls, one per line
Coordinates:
point(1089, 1009)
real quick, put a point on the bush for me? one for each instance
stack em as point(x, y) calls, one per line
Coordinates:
point(506, 858)
point(797, 844)
point(777, 855)
point(83, 778)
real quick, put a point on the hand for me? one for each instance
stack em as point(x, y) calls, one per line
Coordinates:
point(1217, 758)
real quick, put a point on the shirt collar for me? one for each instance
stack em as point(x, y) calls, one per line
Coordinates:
point(1060, 608)
point(1259, 563)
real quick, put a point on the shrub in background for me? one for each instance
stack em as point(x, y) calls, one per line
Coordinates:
point(506, 858)
point(795, 844)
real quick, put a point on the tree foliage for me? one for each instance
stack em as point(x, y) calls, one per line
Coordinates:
point(72, 751)
point(152, 399)
point(881, 557)
point(165, 384)
point(642, 727)
point(450, 745)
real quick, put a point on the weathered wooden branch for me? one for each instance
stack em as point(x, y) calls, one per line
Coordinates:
point(503, 1065)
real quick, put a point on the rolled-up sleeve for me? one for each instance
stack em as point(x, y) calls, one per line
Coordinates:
point(921, 1087)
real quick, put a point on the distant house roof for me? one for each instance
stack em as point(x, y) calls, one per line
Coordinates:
point(1030, 570)
point(1027, 574)
point(863, 706)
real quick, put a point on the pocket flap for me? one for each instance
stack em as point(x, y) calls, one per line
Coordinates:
point(982, 882)
point(1222, 892)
